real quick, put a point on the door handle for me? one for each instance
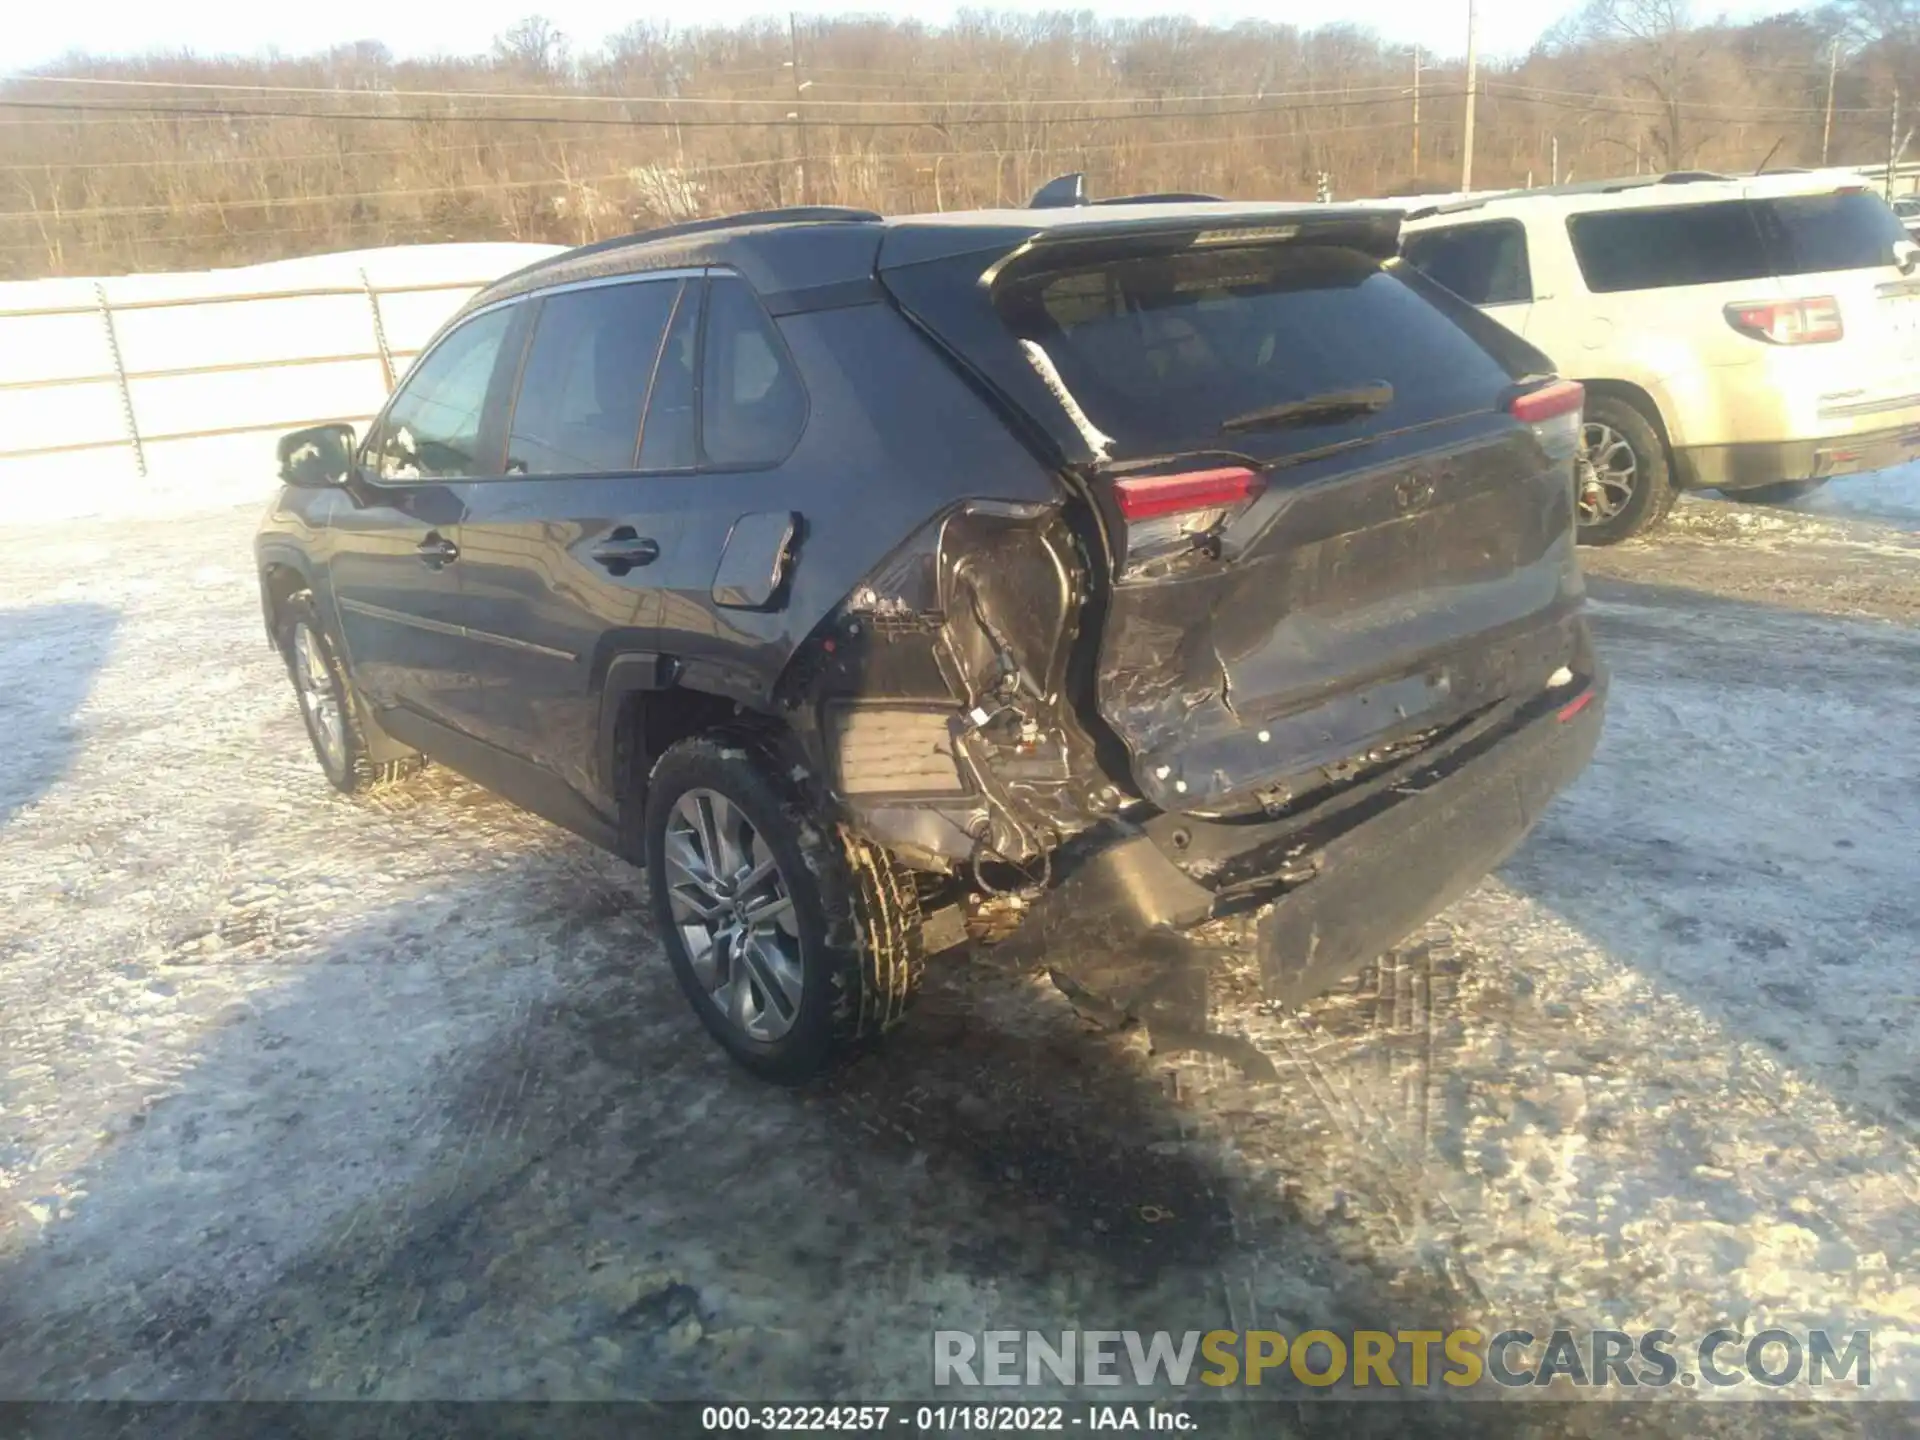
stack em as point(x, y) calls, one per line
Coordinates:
point(436, 550)
point(620, 553)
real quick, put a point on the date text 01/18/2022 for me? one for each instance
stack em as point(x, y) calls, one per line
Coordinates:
point(942, 1419)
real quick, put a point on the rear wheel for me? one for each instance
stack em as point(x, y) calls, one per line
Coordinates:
point(1777, 494)
point(795, 944)
point(1625, 480)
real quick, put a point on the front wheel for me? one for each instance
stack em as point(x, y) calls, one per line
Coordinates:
point(328, 706)
point(1625, 482)
point(795, 943)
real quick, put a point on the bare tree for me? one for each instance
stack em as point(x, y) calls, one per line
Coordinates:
point(534, 48)
point(978, 112)
point(1662, 55)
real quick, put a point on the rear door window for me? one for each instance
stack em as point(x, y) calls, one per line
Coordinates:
point(1484, 264)
point(586, 377)
point(1159, 349)
point(670, 440)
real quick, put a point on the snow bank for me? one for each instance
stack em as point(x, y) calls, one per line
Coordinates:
point(218, 363)
point(1891, 495)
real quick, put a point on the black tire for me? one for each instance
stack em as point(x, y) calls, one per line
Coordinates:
point(1652, 495)
point(1780, 493)
point(855, 913)
point(347, 764)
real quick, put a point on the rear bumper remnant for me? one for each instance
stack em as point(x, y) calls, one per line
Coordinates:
point(1331, 892)
point(1383, 879)
point(1749, 466)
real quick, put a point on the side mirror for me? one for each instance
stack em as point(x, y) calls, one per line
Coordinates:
point(317, 457)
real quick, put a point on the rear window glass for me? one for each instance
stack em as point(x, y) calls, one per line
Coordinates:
point(1159, 350)
point(1834, 232)
point(1732, 240)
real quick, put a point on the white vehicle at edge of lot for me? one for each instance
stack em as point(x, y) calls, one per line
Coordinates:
point(1754, 335)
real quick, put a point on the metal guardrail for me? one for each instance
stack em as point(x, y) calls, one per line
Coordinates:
point(124, 378)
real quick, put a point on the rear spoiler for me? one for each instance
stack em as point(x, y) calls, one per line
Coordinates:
point(1068, 190)
point(1375, 233)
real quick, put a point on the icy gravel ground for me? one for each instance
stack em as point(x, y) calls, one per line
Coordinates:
point(306, 1097)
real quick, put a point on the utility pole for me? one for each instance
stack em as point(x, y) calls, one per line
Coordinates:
point(1556, 159)
point(1466, 139)
point(1416, 111)
point(1833, 71)
point(1893, 143)
point(799, 107)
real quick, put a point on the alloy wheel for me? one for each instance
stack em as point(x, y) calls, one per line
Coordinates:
point(734, 912)
point(1609, 472)
point(319, 696)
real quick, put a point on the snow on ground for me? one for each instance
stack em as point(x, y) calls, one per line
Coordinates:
point(1890, 495)
point(304, 1097)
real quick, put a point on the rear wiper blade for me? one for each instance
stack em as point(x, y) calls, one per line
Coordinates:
point(1315, 409)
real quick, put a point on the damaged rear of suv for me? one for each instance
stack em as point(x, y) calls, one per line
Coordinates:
point(1109, 569)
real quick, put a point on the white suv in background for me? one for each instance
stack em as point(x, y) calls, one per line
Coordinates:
point(1755, 336)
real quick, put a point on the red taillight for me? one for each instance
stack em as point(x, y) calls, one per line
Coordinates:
point(1562, 397)
point(1573, 708)
point(1142, 497)
point(1553, 413)
point(1812, 321)
point(1167, 516)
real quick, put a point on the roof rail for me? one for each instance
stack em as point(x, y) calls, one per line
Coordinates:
point(1452, 207)
point(1614, 186)
point(1169, 197)
point(791, 215)
point(1633, 182)
point(1060, 193)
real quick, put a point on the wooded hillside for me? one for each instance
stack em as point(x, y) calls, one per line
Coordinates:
point(180, 161)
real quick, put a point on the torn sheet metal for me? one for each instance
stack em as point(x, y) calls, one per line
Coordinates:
point(1098, 442)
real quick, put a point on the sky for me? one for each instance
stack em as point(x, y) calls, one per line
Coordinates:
point(37, 32)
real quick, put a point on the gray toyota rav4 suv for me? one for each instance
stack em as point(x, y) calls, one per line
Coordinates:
point(1080, 573)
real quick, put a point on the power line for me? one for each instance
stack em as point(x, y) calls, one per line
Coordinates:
point(567, 98)
point(851, 122)
point(1628, 105)
point(388, 231)
point(266, 158)
point(249, 203)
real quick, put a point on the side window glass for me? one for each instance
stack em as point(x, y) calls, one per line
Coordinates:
point(1637, 249)
point(1512, 277)
point(1482, 264)
point(668, 439)
point(432, 429)
point(586, 377)
point(752, 405)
